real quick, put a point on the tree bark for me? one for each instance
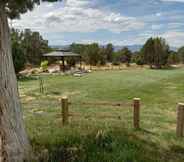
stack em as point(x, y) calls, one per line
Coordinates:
point(13, 139)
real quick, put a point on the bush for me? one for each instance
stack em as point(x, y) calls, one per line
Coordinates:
point(116, 58)
point(44, 65)
point(116, 63)
point(173, 58)
point(139, 60)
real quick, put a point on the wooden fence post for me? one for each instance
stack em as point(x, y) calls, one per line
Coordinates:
point(64, 102)
point(41, 84)
point(180, 120)
point(136, 113)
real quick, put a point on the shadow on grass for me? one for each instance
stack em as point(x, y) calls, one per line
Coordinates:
point(147, 131)
point(167, 68)
point(103, 146)
point(27, 78)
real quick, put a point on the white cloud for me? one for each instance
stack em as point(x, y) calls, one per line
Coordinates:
point(174, 38)
point(175, 26)
point(172, 0)
point(158, 14)
point(76, 3)
point(79, 16)
point(76, 16)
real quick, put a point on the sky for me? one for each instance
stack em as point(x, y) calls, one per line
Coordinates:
point(121, 22)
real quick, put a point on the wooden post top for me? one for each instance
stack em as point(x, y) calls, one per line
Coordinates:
point(64, 97)
point(137, 99)
point(181, 104)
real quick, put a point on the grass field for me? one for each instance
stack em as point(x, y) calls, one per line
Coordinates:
point(99, 133)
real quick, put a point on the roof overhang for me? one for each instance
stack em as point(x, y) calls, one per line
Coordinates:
point(61, 54)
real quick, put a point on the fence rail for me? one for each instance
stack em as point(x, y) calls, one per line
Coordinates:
point(114, 104)
point(136, 105)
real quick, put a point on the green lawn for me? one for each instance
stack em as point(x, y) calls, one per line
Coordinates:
point(99, 133)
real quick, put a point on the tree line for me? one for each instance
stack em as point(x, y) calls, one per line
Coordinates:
point(28, 47)
point(94, 54)
point(155, 52)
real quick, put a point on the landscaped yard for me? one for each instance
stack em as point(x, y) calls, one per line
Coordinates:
point(98, 133)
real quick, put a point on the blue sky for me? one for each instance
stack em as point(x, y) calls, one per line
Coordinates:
point(121, 22)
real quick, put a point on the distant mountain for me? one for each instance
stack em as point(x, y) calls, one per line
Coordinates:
point(132, 48)
point(137, 47)
point(60, 46)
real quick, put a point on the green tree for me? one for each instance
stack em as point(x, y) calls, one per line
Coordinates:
point(117, 58)
point(148, 52)
point(34, 46)
point(109, 52)
point(137, 58)
point(17, 51)
point(92, 54)
point(173, 58)
point(126, 56)
point(181, 54)
point(155, 52)
point(102, 56)
point(79, 49)
point(13, 136)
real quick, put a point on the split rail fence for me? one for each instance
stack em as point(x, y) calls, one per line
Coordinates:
point(136, 114)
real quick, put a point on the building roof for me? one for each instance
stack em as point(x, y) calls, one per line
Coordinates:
point(61, 54)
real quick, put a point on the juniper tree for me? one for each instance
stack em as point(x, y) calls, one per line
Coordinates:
point(148, 52)
point(126, 56)
point(155, 52)
point(109, 51)
point(15, 144)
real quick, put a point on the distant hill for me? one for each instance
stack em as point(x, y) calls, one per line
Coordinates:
point(60, 46)
point(133, 48)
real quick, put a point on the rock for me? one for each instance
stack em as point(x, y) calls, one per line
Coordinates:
point(78, 75)
point(89, 71)
point(53, 71)
point(34, 71)
point(28, 72)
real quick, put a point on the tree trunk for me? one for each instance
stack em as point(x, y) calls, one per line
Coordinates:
point(14, 145)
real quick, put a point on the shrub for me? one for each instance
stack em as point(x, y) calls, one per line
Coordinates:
point(139, 60)
point(116, 63)
point(44, 65)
